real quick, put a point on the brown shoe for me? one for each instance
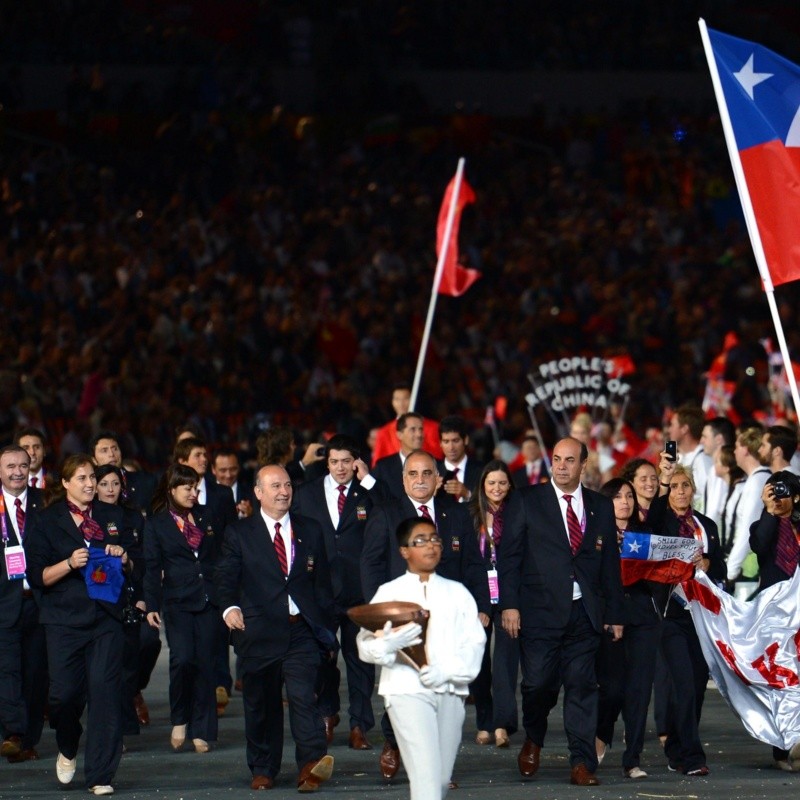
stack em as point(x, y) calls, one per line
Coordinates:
point(142, 711)
point(330, 726)
point(314, 773)
point(358, 741)
point(580, 776)
point(528, 759)
point(29, 754)
point(390, 761)
point(261, 782)
point(222, 700)
point(12, 746)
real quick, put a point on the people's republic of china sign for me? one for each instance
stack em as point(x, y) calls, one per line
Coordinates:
point(569, 383)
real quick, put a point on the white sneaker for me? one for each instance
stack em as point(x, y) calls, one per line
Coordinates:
point(65, 768)
point(636, 773)
point(101, 789)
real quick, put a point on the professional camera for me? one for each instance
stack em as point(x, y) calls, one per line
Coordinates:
point(130, 614)
point(780, 490)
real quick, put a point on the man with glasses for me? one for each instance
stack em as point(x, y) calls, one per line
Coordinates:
point(382, 561)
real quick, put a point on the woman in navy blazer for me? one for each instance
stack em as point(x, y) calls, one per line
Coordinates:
point(181, 552)
point(84, 635)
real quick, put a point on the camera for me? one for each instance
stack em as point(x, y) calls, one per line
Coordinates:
point(131, 615)
point(780, 490)
point(671, 449)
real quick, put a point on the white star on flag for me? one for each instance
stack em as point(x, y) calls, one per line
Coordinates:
point(748, 79)
point(634, 547)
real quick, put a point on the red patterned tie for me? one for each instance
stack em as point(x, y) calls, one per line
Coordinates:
point(573, 526)
point(341, 500)
point(280, 549)
point(786, 548)
point(425, 513)
point(34, 481)
point(20, 518)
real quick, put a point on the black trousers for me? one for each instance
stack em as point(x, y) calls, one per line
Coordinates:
point(360, 680)
point(192, 701)
point(495, 688)
point(263, 704)
point(86, 668)
point(149, 650)
point(23, 676)
point(222, 657)
point(689, 675)
point(625, 674)
point(552, 657)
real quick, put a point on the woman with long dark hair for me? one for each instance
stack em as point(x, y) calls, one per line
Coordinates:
point(181, 552)
point(626, 668)
point(77, 555)
point(495, 688)
point(142, 643)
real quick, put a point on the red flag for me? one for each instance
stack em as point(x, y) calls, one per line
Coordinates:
point(455, 278)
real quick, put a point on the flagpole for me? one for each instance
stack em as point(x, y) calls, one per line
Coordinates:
point(437, 279)
point(749, 214)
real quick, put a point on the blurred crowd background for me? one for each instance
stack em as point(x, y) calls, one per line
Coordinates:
point(199, 251)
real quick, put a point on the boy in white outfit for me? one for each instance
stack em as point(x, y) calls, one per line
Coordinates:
point(426, 707)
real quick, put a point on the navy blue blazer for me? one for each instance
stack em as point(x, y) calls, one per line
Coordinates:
point(344, 543)
point(461, 559)
point(11, 591)
point(53, 538)
point(249, 576)
point(389, 470)
point(173, 575)
point(536, 568)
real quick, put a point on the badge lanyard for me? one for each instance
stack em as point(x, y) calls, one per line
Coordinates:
point(14, 555)
point(491, 573)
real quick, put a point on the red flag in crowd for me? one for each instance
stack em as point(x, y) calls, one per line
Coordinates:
point(455, 278)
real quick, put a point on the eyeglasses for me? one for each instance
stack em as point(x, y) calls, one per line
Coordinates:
point(421, 541)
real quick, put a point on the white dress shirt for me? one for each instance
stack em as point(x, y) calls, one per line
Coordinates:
point(580, 512)
point(332, 494)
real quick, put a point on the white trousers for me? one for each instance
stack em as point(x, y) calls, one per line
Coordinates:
point(428, 729)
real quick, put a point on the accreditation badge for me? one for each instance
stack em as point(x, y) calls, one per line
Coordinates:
point(310, 563)
point(494, 587)
point(15, 562)
point(113, 531)
point(361, 513)
point(455, 544)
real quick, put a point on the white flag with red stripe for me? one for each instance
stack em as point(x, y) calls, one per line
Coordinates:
point(752, 652)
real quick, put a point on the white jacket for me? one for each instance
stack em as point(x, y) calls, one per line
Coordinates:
point(455, 639)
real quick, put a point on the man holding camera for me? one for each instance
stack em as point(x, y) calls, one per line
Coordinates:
point(774, 540)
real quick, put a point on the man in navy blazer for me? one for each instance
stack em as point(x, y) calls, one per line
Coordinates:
point(560, 588)
point(23, 652)
point(273, 584)
point(349, 486)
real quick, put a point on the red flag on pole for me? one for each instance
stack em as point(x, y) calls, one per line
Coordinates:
point(455, 278)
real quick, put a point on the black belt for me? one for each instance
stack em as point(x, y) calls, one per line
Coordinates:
point(293, 618)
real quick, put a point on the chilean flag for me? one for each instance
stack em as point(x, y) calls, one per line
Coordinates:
point(664, 559)
point(762, 95)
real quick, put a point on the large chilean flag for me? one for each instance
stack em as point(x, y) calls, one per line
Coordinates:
point(762, 94)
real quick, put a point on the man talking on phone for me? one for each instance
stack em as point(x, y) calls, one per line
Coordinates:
point(460, 472)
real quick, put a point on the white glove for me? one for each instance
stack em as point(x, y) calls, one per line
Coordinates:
point(395, 639)
point(431, 676)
